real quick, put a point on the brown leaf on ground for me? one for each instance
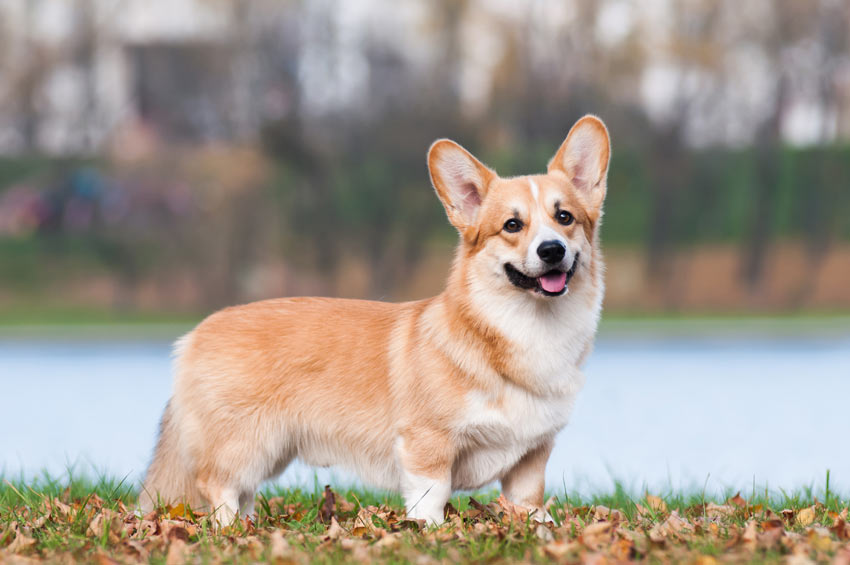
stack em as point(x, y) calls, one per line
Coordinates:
point(335, 530)
point(737, 500)
point(604, 513)
point(598, 535)
point(148, 528)
point(806, 516)
point(56, 505)
point(22, 542)
point(388, 541)
point(623, 549)
point(328, 505)
point(768, 525)
point(136, 549)
point(560, 548)
point(819, 539)
point(177, 552)
point(655, 503)
point(481, 508)
point(840, 528)
point(713, 510)
point(772, 534)
point(364, 519)
point(514, 512)
point(674, 526)
point(279, 549)
point(344, 505)
point(178, 511)
point(106, 522)
point(788, 515)
point(749, 538)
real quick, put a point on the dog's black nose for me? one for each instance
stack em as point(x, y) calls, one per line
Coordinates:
point(551, 251)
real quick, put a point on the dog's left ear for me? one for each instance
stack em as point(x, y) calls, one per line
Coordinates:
point(584, 157)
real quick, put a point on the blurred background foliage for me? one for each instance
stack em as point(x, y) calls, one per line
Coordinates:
point(176, 156)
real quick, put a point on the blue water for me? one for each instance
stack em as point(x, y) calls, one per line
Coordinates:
point(658, 412)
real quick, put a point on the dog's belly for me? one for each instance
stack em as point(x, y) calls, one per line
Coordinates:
point(499, 431)
point(373, 462)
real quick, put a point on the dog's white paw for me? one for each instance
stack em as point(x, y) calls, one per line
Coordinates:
point(540, 515)
point(431, 518)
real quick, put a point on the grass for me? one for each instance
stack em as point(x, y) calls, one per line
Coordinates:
point(82, 519)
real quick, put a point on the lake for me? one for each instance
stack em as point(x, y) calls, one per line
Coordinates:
point(725, 405)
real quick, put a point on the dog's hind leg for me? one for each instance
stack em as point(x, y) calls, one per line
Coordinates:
point(240, 466)
point(247, 497)
point(246, 502)
point(223, 499)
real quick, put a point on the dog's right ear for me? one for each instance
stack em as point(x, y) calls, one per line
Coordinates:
point(460, 180)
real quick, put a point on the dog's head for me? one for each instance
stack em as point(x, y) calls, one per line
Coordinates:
point(530, 233)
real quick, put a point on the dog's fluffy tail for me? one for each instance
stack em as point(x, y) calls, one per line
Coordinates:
point(169, 479)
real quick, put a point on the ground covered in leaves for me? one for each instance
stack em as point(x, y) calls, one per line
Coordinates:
point(48, 520)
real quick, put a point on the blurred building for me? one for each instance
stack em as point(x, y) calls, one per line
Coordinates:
point(73, 72)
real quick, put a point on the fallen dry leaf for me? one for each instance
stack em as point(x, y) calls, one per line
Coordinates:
point(819, 539)
point(279, 546)
point(513, 511)
point(713, 510)
point(674, 526)
point(656, 503)
point(560, 548)
point(176, 553)
point(788, 515)
point(21, 543)
point(806, 516)
point(604, 513)
point(597, 535)
point(737, 500)
point(749, 538)
point(335, 531)
point(328, 505)
point(106, 522)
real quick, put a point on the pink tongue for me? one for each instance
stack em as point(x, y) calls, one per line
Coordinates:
point(554, 281)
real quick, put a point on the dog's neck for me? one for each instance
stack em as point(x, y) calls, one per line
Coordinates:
point(533, 342)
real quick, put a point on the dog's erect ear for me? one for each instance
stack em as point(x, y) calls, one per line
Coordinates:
point(584, 157)
point(460, 180)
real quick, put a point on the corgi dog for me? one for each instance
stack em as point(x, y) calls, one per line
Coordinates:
point(425, 397)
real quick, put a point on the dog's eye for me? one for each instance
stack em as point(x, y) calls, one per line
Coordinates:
point(513, 225)
point(564, 218)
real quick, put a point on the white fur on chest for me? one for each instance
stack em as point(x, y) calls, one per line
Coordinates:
point(549, 338)
point(501, 425)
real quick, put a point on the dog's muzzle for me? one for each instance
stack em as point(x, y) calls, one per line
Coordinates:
point(550, 283)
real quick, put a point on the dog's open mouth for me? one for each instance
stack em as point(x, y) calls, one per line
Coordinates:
point(552, 283)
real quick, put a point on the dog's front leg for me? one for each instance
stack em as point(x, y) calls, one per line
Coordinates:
point(523, 483)
point(425, 458)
